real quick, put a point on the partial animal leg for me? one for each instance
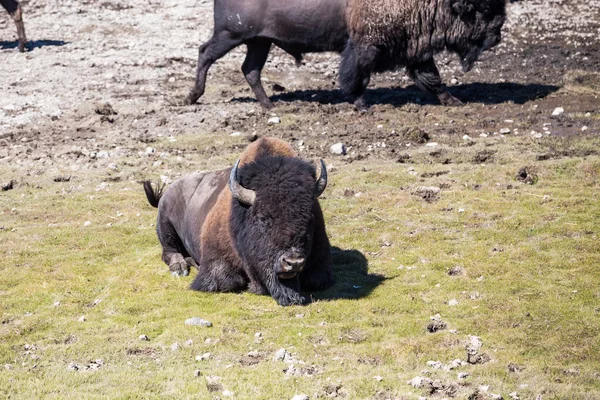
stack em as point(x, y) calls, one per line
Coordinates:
point(355, 72)
point(219, 276)
point(218, 45)
point(174, 254)
point(427, 77)
point(256, 56)
point(318, 274)
point(14, 9)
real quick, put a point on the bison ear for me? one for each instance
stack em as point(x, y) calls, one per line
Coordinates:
point(461, 7)
point(240, 193)
point(321, 180)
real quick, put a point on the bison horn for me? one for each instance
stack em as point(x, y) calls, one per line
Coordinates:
point(240, 193)
point(322, 180)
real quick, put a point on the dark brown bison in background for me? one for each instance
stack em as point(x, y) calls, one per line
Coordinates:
point(257, 225)
point(371, 35)
point(14, 9)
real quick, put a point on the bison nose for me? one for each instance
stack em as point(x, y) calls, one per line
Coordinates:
point(292, 263)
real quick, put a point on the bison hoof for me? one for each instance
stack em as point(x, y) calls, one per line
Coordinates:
point(267, 105)
point(448, 100)
point(190, 99)
point(361, 105)
point(179, 268)
point(291, 300)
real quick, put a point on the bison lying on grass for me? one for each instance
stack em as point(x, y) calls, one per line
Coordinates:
point(371, 35)
point(257, 225)
point(14, 9)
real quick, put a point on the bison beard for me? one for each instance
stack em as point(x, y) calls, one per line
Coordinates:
point(264, 231)
point(371, 35)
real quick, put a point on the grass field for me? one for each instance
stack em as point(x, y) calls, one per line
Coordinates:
point(81, 280)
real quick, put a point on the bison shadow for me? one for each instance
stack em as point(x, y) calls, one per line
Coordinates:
point(352, 277)
point(33, 44)
point(485, 93)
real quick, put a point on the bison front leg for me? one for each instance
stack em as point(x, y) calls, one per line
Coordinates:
point(318, 274)
point(15, 11)
point(355, 72)
point(218, 45)
point(286, 292)
point(427, 77)
point(256, 56)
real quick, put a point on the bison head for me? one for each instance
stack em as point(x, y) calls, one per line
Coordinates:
point(272, 220)
point(476, 26)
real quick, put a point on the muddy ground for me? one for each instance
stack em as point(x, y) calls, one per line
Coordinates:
point(139, 57)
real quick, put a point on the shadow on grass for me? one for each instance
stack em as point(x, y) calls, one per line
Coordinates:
point(486, 93)
point(352, 277)
point(31, 45)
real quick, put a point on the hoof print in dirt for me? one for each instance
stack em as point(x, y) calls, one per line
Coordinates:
point(527, 175)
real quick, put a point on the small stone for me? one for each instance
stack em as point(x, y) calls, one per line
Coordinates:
point(419, 381)
point(338, 148)
point(514, 396)
point(378, 378)
point(301, 397)
point(197, 373)
point(505, 131)
point(73, 367)
point(143, 338)
point(274, 121)
point(197, 321)
point(453, 302)
point(149, 150)
point(87, 223)
point(584, 128)
point(557, 111)
point(431, 144)
point(7, 367)
point(189, 342)
point(175, 346)
point(435, 364)
point(281, 354)
point(253, 354)
point(82, 318)
point(454, 81)
point(463, 375)
point(466, 137)
point(56, 303)
point(203, 357)
point(234, 134)
point(227, 393)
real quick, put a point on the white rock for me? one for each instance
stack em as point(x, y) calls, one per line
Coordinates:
point(431, 144)
point(236, 134)
point(87, 223)
point(81, 319)
point(558, 111)
point(197, 321)
point(274, 121)
point(504, 131)
point(149, 150)
point(514, 395)
point(463, 375)
point(203, 357)
point(227, 393)
point(453, 302)
point(175, 346)
point(584, 128)
point(483, 135)
point(143, 338)
point(454, 81)
point(301, 397)
point(466, 137)
point(338, 148)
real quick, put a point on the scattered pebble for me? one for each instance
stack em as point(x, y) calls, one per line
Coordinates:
point(466, 137)
point(143, 338)
point(463, 375)
point(453, 302)
point(505, 131)
point(431, 144)
point(175, 346)
point(197, 321)
point(557, 111)
point(301, 397)
point(274, 121)
point(338, 148)
point(234, 134)
point(82, 318)
point(584, 128)
point(203, 357)
point(87, 223)
point(197, 373)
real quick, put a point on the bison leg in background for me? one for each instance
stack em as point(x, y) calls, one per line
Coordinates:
point(318, 274)
point(355, 72)
point(256, 56)
point(427, 77)
point(209, 52)
point(174, 254)
point(14, 9)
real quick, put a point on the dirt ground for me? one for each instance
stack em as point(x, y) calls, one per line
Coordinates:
point(139, 57)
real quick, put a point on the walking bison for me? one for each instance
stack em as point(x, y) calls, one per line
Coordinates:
point(256, 226)
point(14, 9)
point(371, 35)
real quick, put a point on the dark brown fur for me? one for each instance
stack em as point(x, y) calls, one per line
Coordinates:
point(14, 9)
point(371, 35)
point(201, 224)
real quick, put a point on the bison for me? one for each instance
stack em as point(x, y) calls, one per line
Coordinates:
point(14, 9)
point(256, 226)
point(371, 35)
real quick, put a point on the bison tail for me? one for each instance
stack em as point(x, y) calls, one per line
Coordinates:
point(153, 195)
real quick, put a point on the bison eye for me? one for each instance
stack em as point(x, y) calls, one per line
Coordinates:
point(264, 221)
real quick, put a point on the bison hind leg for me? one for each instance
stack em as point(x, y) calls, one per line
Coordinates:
point(219, 276)
point(355, 72)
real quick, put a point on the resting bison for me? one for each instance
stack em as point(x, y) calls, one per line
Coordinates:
point(371, 35)
point(14, 9)
point(257, 225)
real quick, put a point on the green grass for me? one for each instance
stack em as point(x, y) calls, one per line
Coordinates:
point(531, 253)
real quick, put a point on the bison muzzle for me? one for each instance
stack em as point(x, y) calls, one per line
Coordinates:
point(256, 226)
point(371, 35)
